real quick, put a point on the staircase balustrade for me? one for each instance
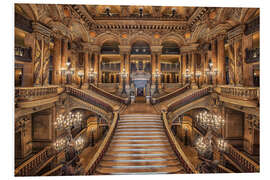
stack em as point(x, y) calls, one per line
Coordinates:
point(170, 95)
point(90, 168)
point(29, 167)
point(88, 98)
point(189, 98)
point(188, 166)
point(109, 95)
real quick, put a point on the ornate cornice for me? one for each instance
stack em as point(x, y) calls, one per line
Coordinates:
point(189, 48)
point(124, 49)
point(156, 49)
point(236, 33)
point(41, 30)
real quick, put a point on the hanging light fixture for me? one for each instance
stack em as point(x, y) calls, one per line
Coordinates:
point(69, 120)
point(209, 120)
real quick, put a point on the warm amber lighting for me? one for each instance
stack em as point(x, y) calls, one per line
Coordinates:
point(187, 35)
point(156, 36)
point(92, 34)
point(124, 36)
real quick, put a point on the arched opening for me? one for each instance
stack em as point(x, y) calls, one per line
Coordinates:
point(140, 47)
point(170, 47)
point(110, 47)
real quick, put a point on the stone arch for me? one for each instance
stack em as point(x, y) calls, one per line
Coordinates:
point(140, 36)
point(100, 39)
point(198, 32)
point(174, 37)
point(246, 15)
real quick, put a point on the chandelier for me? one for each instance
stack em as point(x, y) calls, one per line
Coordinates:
point(79, 143)
point(68, 120)
point(210, 120)
point(60, 143)
point(66, 141)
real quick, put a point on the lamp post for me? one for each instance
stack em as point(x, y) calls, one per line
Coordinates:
point(198, 75)
point(92, 75)
point(80, 74)
point(123, 74)
point(211, 72)
point(157, 74)
point(187, 75)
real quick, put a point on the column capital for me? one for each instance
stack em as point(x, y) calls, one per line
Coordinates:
point(90, 47)
point(124, 49)
point(156, 49)
point(236, 34)
point(41, 31)
point(189, 48)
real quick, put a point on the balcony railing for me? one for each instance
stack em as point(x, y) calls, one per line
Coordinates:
point(188, 166)
point(192, 97)
point(243, 93)
point(34, 93)
point(23, 54)
point(30, 166)
point(90, 168)
point(170, 95)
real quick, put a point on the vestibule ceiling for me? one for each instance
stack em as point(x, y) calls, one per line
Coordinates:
point(96, 24)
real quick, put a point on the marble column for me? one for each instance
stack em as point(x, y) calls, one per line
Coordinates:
point(86, 69)
point(122, 66)
point(153, 59)
point(221, 61)
point(192, 67)
point(127, 67)
point(158, 66)
point(203, 63)
point(184, 65)
point(96, 66)
point(214, 58)
point(180, 76)
point(64, 58)
point(56, 61)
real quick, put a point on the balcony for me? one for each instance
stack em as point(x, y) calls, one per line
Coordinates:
point(241, 93)
point(23, 54)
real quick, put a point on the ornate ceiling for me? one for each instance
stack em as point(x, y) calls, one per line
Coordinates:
point(155, 24)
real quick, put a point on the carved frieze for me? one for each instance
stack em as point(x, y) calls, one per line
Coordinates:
point(236, 34)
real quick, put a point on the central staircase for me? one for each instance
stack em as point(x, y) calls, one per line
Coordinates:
point(139, 146)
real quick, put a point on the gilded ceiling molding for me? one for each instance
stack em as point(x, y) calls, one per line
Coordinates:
point(140, 36)
point(106, 36)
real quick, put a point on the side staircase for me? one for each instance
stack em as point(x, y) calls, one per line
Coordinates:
point(139, 146)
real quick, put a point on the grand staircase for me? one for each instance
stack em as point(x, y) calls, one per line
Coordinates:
point(139, 146)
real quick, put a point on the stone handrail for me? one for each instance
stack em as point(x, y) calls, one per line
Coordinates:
point(189, 98)
point(247, 164)
point(244, 93)
point(188, 166)
point(34, 93)
point(242, 160)
point(57, 171)
point(170, 95)
point(27, 168)
point(222, 169)
point(90, 168)
point(88, 98)
point(109, 95)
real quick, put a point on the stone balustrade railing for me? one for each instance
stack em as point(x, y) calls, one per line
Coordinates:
point(170, 95)
point(88, 98)
point(35, 93)
point(222, 169)
point(90, 168)
point(189, 98)
point(244, 93)
point(188, 166)
point(28, 167)
point(242, 160)
point(57, 171)
point(109, 95)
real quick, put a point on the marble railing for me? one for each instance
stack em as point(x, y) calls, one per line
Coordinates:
point(35, 93)
point(242, 160)
point(57, 171)
point(222, 169)
point(188, 99)
point(109, 95)
point(243, 93)
point(28, 167)
point(80, 94)
point(90, 168)
point(170, 95)
point(188, 166)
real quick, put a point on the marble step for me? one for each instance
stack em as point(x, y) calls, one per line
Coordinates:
point(166, 157)
point(138, 133)
point(153, 169)
point(140, 146)
point(139, 126)
point(136, 122)
point(171, 162)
